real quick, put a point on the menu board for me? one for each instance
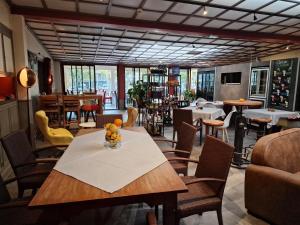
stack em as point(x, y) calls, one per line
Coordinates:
point(283, 84)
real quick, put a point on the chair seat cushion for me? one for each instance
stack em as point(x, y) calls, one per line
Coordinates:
point(60, 136)
point(199, 198)
point(90, 107)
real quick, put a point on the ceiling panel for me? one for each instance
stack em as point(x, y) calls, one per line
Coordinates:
point(61, 5)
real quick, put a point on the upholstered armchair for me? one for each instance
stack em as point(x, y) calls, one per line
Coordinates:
point(58, 136)
point(272, 182)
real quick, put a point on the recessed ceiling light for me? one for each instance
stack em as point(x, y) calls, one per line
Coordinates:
point(254, 17)
point(287, 47)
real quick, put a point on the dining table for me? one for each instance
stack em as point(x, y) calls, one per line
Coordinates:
point(240, 125)
point(67, 194)
point(274, 114)
point(204, 113)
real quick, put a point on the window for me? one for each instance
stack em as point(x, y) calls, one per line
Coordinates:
point(194, 79)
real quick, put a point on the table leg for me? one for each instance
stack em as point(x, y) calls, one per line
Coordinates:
point(240, 124)
point(206, 130)
point(169, 210)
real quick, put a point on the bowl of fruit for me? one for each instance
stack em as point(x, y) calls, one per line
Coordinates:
point(113, 137)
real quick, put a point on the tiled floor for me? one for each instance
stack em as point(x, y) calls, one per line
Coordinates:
point(234, 211)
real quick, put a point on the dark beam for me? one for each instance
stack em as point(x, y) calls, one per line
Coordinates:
point(84, 19)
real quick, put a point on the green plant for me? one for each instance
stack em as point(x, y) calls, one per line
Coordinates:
point(189, 95)
point(138, 91)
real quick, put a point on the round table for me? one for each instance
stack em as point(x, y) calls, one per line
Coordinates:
point(240, 123)
point(212, 124)
point(86, 125)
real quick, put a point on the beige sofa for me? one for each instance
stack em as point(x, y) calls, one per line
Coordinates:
point(272, 181)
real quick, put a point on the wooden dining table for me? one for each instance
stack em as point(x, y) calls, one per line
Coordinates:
point(68, 196)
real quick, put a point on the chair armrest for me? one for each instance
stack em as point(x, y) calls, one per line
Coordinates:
point(45, 160)
point(182, 159)
point(208, 179)
point(175, 150)
point(56, 149)
point(165, 140)
point(273, 190)
point(15, 203)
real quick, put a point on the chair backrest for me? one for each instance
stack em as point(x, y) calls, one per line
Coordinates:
point(214, 162)
point(42, 122)
point(209, 105)
point(71, 101)
point(132, 115)
point(101, 120)
point(48, 100)
point(182, 115)
point(185, 137)
point(4, 194)
point(228, 117)
point(18, 149)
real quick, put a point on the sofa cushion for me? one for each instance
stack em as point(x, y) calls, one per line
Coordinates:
point(279, 150)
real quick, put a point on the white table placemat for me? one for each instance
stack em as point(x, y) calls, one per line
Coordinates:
point(206, 113)
point(88, 160)
point(264, 113)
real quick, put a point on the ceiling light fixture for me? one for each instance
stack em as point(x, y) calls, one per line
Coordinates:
point(204, 11)
point(287, 47)
point(254, 17)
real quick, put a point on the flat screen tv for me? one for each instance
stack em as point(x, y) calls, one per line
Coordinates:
point(231, 78)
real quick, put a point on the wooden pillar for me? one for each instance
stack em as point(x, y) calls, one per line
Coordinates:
point(121, 86)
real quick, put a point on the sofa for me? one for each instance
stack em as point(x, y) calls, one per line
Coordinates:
point(272, 180)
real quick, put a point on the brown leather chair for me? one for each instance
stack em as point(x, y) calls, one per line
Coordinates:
point(206, 188)
point(102, 119)
point(25, 162)
point(16, 211)
point(272, 181)
point(184, 115)
point(183, 148)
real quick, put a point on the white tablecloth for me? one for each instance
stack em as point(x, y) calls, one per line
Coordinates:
point(218, 104)
point(264, 113)
point(206, 113)
point(87, 160)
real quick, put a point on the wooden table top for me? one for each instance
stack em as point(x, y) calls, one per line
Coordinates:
point(216, 123)
point(59, 188)
point(242, 103)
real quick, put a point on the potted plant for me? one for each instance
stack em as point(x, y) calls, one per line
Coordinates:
point(138, 93)
point(189, 95)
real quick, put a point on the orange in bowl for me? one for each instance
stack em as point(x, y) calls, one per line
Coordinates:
point(118, 122)
point(242, 99)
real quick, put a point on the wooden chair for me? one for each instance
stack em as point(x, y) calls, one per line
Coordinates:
point(206, 188)
point(184, 115)
point(183, 148)
point(132, 116)
point(50, 104)
point(101, 120)
point(16, 212)
point(30, 170)
point(71, 104)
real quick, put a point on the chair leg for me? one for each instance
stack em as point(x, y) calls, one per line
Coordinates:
point(219, 214)
point(20, 192)
point(173, 137)
point(226, 133)
point(223, 135)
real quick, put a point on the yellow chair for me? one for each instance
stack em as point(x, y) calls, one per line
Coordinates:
point(58, 136)
point(132, 115)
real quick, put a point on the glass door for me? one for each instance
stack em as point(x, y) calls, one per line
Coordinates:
point(205, 84)
point(107, 83)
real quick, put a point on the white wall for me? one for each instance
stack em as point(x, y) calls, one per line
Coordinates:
point(236, 91)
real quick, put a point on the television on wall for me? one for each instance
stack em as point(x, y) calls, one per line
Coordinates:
point(231, 78)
